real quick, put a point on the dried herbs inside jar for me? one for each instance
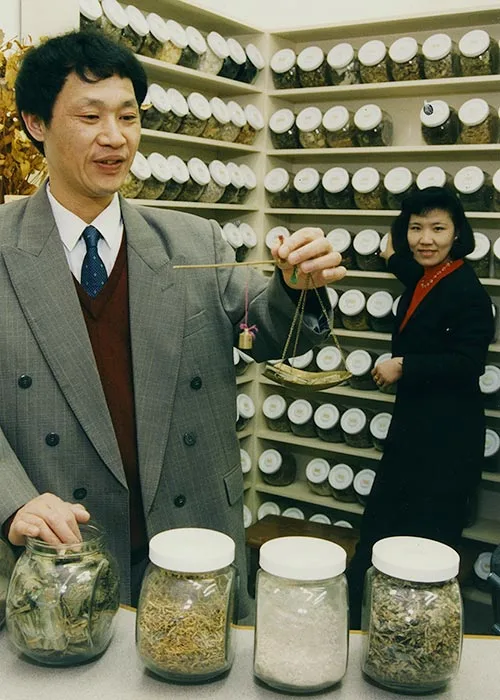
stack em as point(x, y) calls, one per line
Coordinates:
point(284, 69)
point(406, 59)
point(374, 62)
point(440, 57)
point(7, 561)
point(478, 53)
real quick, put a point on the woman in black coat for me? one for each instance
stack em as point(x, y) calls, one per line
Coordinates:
point(434, 450)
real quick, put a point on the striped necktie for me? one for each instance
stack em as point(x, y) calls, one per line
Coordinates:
point(94, 275)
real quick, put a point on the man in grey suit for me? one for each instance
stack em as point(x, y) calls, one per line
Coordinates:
point(117, 386)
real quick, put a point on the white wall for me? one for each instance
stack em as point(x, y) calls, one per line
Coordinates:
point(10, 12)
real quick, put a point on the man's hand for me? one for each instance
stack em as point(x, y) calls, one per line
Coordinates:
point(307, 251)
point(49, 518)
point(388, 372)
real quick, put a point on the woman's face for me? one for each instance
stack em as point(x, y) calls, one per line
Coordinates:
point(431, 236)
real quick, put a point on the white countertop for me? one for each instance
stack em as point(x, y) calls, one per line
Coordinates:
point(120, 675)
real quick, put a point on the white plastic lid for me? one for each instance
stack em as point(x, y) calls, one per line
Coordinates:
point(157, 27)
point(302, 558)
point(140, 167)
point(283, 60)
point(333, 297)
point(293, 512)
point(302, 361)
point(383, 357)
point(326, 416)
point(282, 120)
point(219, 110)
point(273, 234)
point(310, 58)
point(233, 235)
point(383, 242)
point(336, 118)
point(236, 114)
point(246, 358)
point(115, 13)
point(246, 461)
point(372, 52)
point(320, 518)
point(469, 179)
point(474, 43)
point(246, 406)
point(180, 173)
point(363, 482)
point(236, 51)
point(482, 565)
point(268, 508)
point(368, 117)
point(198, 171)
point(474, 112)
point(219, 173)
point(398, 180)
point(328, 358)
point(199, 106)
point(352, 302)
point(335, 180)
point(196, 40)
point(317, 470)
point(276, 180)
point(343, 523)
point(496, 180)
point(395, 305)
point(191, 550)
point(176, 34)
point(496, 248)
point(255, 56)
point(91, 9)
point(341, 477)
point(157, 96)
point(353, 421)
point(365, 180)
point(403, 49)
point(358, 362)
point(270, 461)
point(178, 102)
point(340, 238)
point(366, 242)
point(235, 176)
point(340, 56)
point(440, 113)
point(491, 443)
point(249, 236)
point(379, 425)
point(160, 168)
point(306, 180)
point(300, 411)
point(309, 119)
point(249, 177)
point(218, 45)
point(236, 354)
point(482, 246)
point(379, 304)
point(274, 406)
point(489, 382)
point(433, 176)
point(247, 516)
point(254, 117)
point(415, 559)
point(437, 47)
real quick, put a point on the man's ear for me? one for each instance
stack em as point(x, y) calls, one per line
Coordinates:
point(35, 126)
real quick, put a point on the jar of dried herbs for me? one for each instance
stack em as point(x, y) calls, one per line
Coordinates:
point(139, 172)
point(249, 183)
point(478, 122)
point(339, 128)
point(237, 121)
point(199, 177)
point(474, 188)
point(329, 357)
point(152, 45)
point(234, 61)
point(187, 605)
point(399, 182)
point(254, 64)
point(276, 468)
point(341, 240)
point(307, 184)
point(7, 562)
point(368, 188)
point(433, 176)
point(379, 427)
point(231, 191)
point(327, 423)
point(312, 67)
point(284, 70)
point(342, 65)
point(136, 30)
point(311, 130)
point(196, 119)
point(284, 131)
point(90, 14)
point(195, 48)
point(317, 471)
point(379, 307)
point(254, 123)
point(300, 414)
point(62, 599)
point(178, 110)
point(441, 126)
point(242, 361)
point(479, 259)
point(341, 483)
point(219, 180)
point(496, 191)
point(374, 62)
point(268, 508)
point(179, 177)
point(478, 53)
point(440, 57)
point(218, 126)
point(412, 613)
point(489, 384)
point(160, 173)
point(406, 59)
point(352, 306)
point(363, 484)
point(213, 58)
point(274, 410)
point(231, 234)
point(301, 601)
point(280, 190)
point(154, 108)
point(491, 450)
point(274, 234)
point(114, 19)
point(367, 251)
point(249, 238)
point(360, 364)
point(245, 409)
point(176, 43)
point(373, 126)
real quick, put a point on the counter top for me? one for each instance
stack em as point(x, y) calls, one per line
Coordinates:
point(120, 675)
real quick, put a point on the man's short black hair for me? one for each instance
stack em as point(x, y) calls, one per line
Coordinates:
point(421, 203)
point(89, 54)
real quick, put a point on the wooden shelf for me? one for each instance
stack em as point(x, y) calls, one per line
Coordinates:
point(367, 335)
point(299, 491)
point(188, 206)
point(409, 152)
point(164, 137)
point(364, 213)
point(316, 444)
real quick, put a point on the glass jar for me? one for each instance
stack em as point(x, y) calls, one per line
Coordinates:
point(333, 298)
point(154, 108)
point(247, 516)
point(305, 361)
point(245, 410)
point(373, 126)
point(412, 613)
point(489, 384)
point(199, 177)
point(242, 361)
point(379, 427)
point(478, 53)
point(249, 238)
point(474, 188)
point(249, 183)
point(294, 512)
point(62, 599)
point(433, 176)
point(90, 14)
point(341, 482)
point(479, 259)
point(187, 605)
point(196, 119)
point(219, 180)
point(329, 357)
point(406, 59)
point(160, 173)
point(339, 128)
point(379, 307)
point(177, 112)
point(284, 70)
point(312, 67)
point(152, 45)
point(481, 570)
point(342, 65)
point(139, 173)
point(279, 187)
point(300, 415)
point(283, 129)
point(275, 409)
point(213, 58)
point(301, 631)
point(268, 508)
point(317, 471)
point(218, 126)
point(136, 30)
point(252, 127)
point(391, 388)
point(491, 450)
point(399, 182)
point(478, 122)
point(176, 43)
point(245, 459)
point(352, 306)
point(354, 424)
point(496, 191)
point(320, 518)
point(440, 57)
point(360, 364)
point(307, 184)
point(237, 121)
point(232, 235)
point(179, 177)
point(367, 251)
point(250, 70)
point(363, 484)
point(343, 523)
point(496, 259)
point(114, 19)
point(440, 125)
point(233, 62)
point(275, 234)
point(327, 423)
point(341, 241)
point(7, 562)
point(194, 50)
point(230, 195)
point(311, 131)
point(374, 62)
point(277, 469)
point(368, 189)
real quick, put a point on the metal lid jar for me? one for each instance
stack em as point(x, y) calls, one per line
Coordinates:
point(352, 306)
point(379, 427)
point(337, 189)
point(317, 471)
point(279, 187)
point(245, 408)
point(474, 188)
point(179, 177)
point(234, 61)
point(136, 30)
point(114, 19)
point(412, 613)
point(367, 251)
point(373, 126)
point(327, 422)
point(491, 450)
point(249, 238)
point(496, 191)
point(152, 45)
point(154, 108)
point(199, 177)
point(252, 127)
point(363, 484)
point(342, 65)
point(196, 119)
point(160, 174)
point(178, 110)
point(301, 633)
point(283, 129)
point(217, 124)
point(219, 180)
point(478, 122)
point(312, 67)
point(406, 59)
point(186, 607)
point(311, 130)
point(433, 176)
point(90, 14)
point(284, 69)
point(277, 468)
point(360, 364)
point(480, 257)
point(368, 189)
point(339, 128)
point(62, 599)
point(7, 562)
point(236, 182)
point(274, 410)
point(237, 121)
point(249, 183)
point(399, 182)
point(379, 307)
point(478, 53)
point(354, 424)
point(341, 482)
point(213, 58)
point(254, 64)
point(195, 48)
point(440, 57)
point(439, 123)
point(307, 184)
point(341, 241)
point(139, 172)
point(374, 62)
point(301, 417)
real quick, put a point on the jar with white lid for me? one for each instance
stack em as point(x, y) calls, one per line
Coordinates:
point(301, 629)
point(368, 189)
point(249, 183)
point(252, 127)
point(494, 314)
point(154, 107)
point(230, 195)
point(317, 471)
point(327, 423)
point(406, 59)
point(277, 468)
point(283, 129)
point(7, 563)
point(284, 70)
point(391, 388)
point(114, 19)
point(342, 65)
point(478, 122)
point(175, 44)
point(294, 512)
point(275, 234)
point(363, 484)
point(355, 427)
point(340, 131)
point(152, 45)
point(478, 53)
point(187, 605)
point(374, 62)
point(178, 109)
point(413, 615)
point(440, 57)
point(242, 361)
point(489, 384)
point(399, 182)
point(213, 58)
point(352, 306)
point(139, 172)
point(275, 409)
point(199, 177)
point(480, 257)
point(237, 121)
point(154, 186)
point(373, 126)
point(234, 60)
point(268, 508)
point(196, 119)
point(433, 176)
point(491, 450)
point(496, 191)
point(496, 259)
point(341, 241)
point(333, 298)
point(481, 570)
point(279, 187)
point(341, 483)
point(320, 518)
point(337, 189)
point(179, 176)
point(474, 188)
point(311, 130)
point(218, 125)
point(254, 64)
point(90, 14)
point(379, 427)
point(219, 180)
point(329, 358)
point(304, 361)
point(307, 184)
point(343, 523)
point(379, 307)
point(312, 67)
point(360, 364)
point(249, 238)
point(301, 417)
point(439, 123)
point(245, 409)
point(367, 251)
point(136, 30)
point(247, 516)
point(195, 48)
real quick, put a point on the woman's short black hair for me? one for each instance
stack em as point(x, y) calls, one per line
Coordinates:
point(424, 201)
point(89, 54)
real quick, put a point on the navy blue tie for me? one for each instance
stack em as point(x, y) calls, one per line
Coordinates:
point(94, 275)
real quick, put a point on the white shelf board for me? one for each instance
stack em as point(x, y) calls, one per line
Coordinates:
point(484, 530)
point(165, 137)
point(367, 335)
point(190, 12)
point(242, 434)
point(299, 491)
point(371, 213)
point(317, 444)
point(387, 151)
point(189, 206)
point(491, 477)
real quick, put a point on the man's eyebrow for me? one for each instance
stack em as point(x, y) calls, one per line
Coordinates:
point(93, 101)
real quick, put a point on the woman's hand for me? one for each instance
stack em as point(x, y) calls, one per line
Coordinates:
point(388, 372)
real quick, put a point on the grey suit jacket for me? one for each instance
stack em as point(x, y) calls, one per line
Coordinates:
point(183, 325)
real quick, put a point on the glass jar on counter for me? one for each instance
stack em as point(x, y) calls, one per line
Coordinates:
point(152, 45)
point(7, 562)
point(275, 409)
point(366, 246)
point(307, 184)
point(391, 388)
point(245, 410)
point(178, 111)
point(252, 127)
point(312, 67)
point(242, 361)
point(276, 468)
point(179, 177)
point(195, 121)
point(474, 188)
point(341, 482)
point(360, 364)
point(280, 190)
point(249, 183)
point(219, 180)
point(136, 30)
point(90, 14)
point(342, 65)
point(354, 424)
point(301, 632)
point(254, 64)
point(233, 62)
point(249, 241)
point(327, 423)
point(352, 306)
point(176, 43)
point(491, 450)
point(433, 176)
point(440, 57)
point(230, 195)
point(406, 59)
point(412, 602)
point(284, 70)
point(374, 62)
point(154, 108)
point(363, 484)
point(440, 124)
point(187, 605)
point(213, 58)
point(268, 508)
point(379, 427)
point(379, 307)
point(341, 241)
point(274, 234)
point(399, 182)
point(479, 259)
point(373, 126)
point(114, 19)
point(199, 177)
point(301, 417)
point(496, 191)
point(194, 50)
point(139, 173)
point(311, 130)
point(478, 53)
point(62, 600)
point(489, 384)
point(478, 122)
point(339, 128)
point(218, 126)
point(368, 189)
point(160, 174)
point(237, 120)
point(284, 131)
point(317, 471)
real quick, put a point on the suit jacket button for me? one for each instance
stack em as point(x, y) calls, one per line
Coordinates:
point(52, 439)
point(189, 439)
point(180, 501)
point(24, 381)
point(196, 383)
point(79, 494)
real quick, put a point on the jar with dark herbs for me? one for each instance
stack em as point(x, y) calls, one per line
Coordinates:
point(249, 241)
point(114, 19)
point(242, 361)
point(139, 173)
point(237, 121)
point(496, 191)
point(274, 410)
point(178, 110)
point(284, 70)
point(440, 57)
point(311, 130)
point(354, 424)
point(479, 259)
point(363, 484)
point(136, 30)
point(232, 235)
point(320, 518)
point(160, 173)
point(154, 108)
point(7, 562)
point(196, 119)
point(304, 361)
point(406, 59)
point(245, 408)
point(379, 427)
point(300, 415)
point(440, 124)
point(252, 127)
point(489, 384)
point(234, 61)
point(307, 184)
point(329, 357)
point(213, 58)
point(367, 251)
point(374, 62)
point(399, 182)
point(176, 43)
point(373, 126)
point(379, 307)
point(179, 177)
point(249, 183)
point(413, 615)
point(339, 128)
point(284, 131)
point(231, 191)
point(478, 122)
point(491, 452)
point(152, 45)
point(341, 483)
point(268, 508)
point(254, 64)
point(478, 53)
point(62, 599)
point(245, 459)
point(327, 423)
point(341, 241)
point(433, 176)
point(217, 124)
point(317, 471)
point(277, 468)
point(474, 188)
point(219, 180)
point(194, 50)
point(333, 298)
point(342, 65)
point(360, 364)
point(368, 189)
point(187, 605)
point(312, 67)
point(90, 14)
point(352, 306)
point(279, 187)
point(199, 177)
